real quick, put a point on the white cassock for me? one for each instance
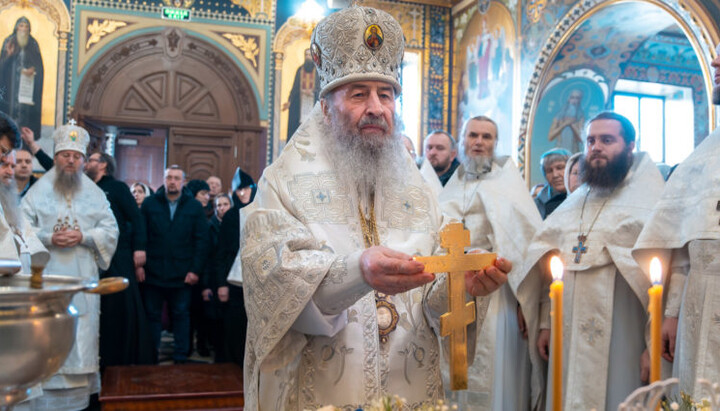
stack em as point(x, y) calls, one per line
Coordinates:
point(312, 337)
point(502, 218)
point(685, 223)
point(605, 294)
point(431, 177)
point(42, 207)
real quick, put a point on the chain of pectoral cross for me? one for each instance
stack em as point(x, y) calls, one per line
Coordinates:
point(581, 248)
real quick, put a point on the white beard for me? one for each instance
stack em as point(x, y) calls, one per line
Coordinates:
point(364, 162)
point(9, 200)
point(477, 165)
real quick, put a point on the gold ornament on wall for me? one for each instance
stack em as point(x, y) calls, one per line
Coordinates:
point(183, 4)
point(248, 45)
point(101, 28)
point(535, 9)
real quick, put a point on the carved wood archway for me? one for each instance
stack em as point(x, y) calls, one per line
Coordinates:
point(173, 80)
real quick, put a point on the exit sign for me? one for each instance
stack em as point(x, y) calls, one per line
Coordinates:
point(176, 14)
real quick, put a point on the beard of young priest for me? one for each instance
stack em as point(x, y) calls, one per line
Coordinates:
point(338, 312)
point(488, 194)
point(605, 293)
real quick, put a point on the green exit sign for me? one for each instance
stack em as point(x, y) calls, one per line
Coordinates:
point(176, 14)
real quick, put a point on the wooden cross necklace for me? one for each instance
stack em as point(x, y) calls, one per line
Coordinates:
point(581, 248)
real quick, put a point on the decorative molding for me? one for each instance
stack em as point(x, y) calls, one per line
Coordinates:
point(257, 8)
point(535, 10)
point(100, 28)
point(247, 44)
point(183, 4)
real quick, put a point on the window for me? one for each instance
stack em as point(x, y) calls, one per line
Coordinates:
point(663, 118)
point(411, 98)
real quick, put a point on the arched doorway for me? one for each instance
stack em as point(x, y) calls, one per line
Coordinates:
point(171, 98)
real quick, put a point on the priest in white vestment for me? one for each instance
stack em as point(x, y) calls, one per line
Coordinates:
point(685, 224)
point(605, 294)
point(490, 197)
point(338, 312)
point(17, 239)
point(73, 220)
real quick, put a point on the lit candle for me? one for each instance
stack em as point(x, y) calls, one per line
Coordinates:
point(655, 310)
point(556, 350)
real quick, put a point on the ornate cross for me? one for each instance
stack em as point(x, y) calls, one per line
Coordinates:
point(580, 249)
point(454, 238)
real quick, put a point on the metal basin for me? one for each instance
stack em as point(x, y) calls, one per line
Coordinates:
point(37, 328)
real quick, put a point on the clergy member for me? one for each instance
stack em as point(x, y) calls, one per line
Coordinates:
point(338, 312)
point(17, 239)
point(490, 197)
point(74, 221)
point(605, 295)
point(685, 222)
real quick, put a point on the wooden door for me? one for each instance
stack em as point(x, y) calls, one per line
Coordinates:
point(203, 152)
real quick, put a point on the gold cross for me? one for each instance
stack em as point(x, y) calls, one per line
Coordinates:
point(454, 238)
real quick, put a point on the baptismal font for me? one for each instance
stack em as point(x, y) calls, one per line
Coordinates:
point(37, 325)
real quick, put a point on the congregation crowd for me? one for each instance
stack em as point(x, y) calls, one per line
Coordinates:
point(324, 302)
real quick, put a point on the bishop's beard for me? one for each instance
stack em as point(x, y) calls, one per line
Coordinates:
point(364, 162)
point(716, 95)
point(67, 183)
point(9, 200)
point(609, 176)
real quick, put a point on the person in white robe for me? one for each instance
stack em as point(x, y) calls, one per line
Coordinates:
point(684, 224)
point(17, 239)
point(338, 312)
point(490, 197)
point(605, 293)
point(73, 220)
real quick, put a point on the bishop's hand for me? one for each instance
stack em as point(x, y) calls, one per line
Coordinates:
point(392, 272)
point(483, 282)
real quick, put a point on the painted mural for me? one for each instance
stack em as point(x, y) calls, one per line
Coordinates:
point(28, 67)
point(566, 105)
point(485, 72)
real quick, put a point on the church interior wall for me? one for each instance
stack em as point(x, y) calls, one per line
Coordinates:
point(559, 47)
point(530, 44)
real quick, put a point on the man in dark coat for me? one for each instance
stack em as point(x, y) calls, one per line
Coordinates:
point(20, 56)
point(303, 95)
point(124, 331)
point(244, 190)
point(176, 249)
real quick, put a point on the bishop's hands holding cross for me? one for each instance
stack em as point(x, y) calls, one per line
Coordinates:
point(392, 272)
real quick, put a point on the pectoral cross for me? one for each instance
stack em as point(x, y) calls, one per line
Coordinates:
point(580, 249)
point(454, 238)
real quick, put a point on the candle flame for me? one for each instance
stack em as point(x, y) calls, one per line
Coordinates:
point(655, 271)
point(556, 268)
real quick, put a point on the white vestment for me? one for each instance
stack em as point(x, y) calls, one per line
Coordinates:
point(605, 294)
point(42, 207)
point(301, 244)
point(502, 218)
point(685, 222)
point(431, 177)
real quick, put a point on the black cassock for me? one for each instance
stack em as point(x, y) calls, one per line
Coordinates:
point(125, 336)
